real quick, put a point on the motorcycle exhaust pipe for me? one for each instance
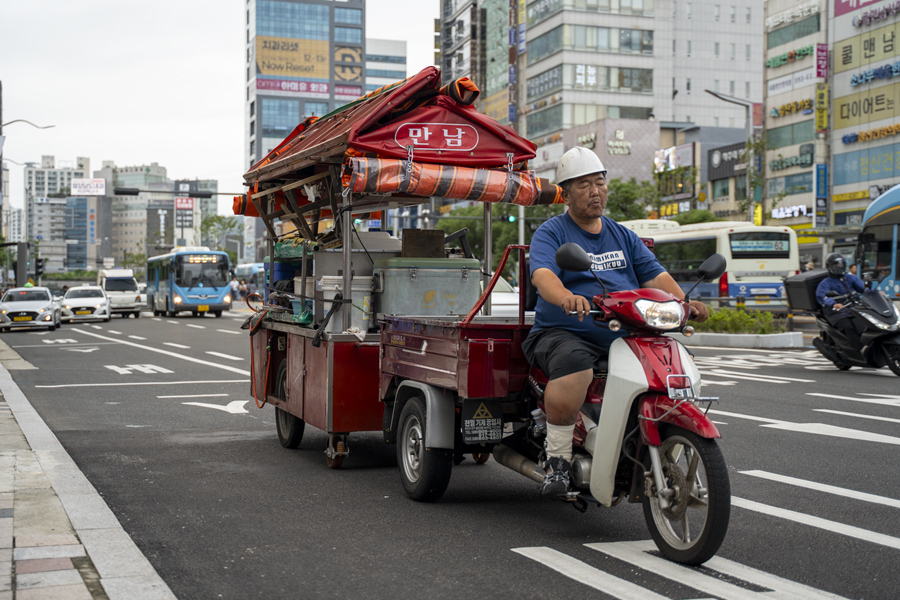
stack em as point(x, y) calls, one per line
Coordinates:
point(511, 459)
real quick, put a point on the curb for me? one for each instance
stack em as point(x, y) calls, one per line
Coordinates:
point(125, 573)
point(793, 339)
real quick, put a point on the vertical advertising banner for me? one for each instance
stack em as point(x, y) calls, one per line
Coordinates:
point(820, 219)
point(522, 16)
point(821, 107)
point(822, 61)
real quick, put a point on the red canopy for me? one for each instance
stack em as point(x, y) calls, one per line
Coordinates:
point(441, 126)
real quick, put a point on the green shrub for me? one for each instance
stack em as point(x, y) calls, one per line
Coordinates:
point(729, 320)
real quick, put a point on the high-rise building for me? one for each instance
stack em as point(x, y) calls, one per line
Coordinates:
point(15, 224)
point(385, 62)
point(49, 180)
point(496, 95)
point(639, 60)
point(87, 219)
point(128, 225)
point(462, 40)
point(798, 151)
point(304, 58)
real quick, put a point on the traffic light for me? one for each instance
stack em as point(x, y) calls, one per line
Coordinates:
point(511, 218)
point(38, 267)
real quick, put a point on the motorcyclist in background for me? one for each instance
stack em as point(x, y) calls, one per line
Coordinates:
point(838, 280)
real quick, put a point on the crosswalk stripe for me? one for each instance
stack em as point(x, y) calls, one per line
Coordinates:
point(777, 588)
point(588, 575)
point(823, 487)
point(882, 401)
point(818, 522)
point(857, 415)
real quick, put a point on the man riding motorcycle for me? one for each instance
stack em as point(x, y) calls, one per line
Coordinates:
point(843, 283)
point(566, 349)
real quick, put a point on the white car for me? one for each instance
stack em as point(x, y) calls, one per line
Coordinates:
point(85, 303)
point(28, 307)
point(505, 300)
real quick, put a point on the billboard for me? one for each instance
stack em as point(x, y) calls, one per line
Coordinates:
point(289, 57)
point(88, 187)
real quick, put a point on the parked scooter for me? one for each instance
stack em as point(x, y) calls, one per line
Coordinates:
point(879, 344)
point(641, 434)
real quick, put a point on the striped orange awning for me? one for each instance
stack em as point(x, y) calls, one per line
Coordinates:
point(388, 176)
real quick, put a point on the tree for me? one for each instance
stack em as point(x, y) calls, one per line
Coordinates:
point(757, 147)
point(629, 200)
point(136, 260)
point(216, 227)
point(695, 216)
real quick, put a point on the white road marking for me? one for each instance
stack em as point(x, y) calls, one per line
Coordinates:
point(847, 414)
point(172, 354)
point(708, 382)
point(136, 337)
point(816, 428)
point(78, 385)
point(883, 400)
point(171, 321)
point(230, 331)
point(588, 575)
point(235, 408)
point(113, 331)
point(832, 526)
point(127, 369)
point(196, 326)
point(196, 396)
point(823, 487)
point(174, 345)
point(83, 349)
point(226, 356)
point(636, 553)
point(60, 341)
point(756, 376)
point(96, 327)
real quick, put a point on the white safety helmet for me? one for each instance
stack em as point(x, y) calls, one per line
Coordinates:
point(578, 162)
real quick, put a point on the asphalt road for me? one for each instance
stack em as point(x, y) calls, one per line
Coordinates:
point(157, 413)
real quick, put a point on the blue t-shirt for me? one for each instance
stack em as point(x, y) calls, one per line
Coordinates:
point(620, 259)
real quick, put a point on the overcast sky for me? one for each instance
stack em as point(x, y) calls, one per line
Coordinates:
point(142, 82)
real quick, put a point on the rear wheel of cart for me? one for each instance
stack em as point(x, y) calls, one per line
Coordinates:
point(425, 473)
point(290, 428)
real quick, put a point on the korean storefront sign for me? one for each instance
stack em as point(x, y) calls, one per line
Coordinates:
point(880, 13)
point(866, 48)
point(872, 134)
point(794, 14)
point(866, 106)
point(842, 7)
point(790, 212)
point(789, 56)
point(866, 165)
point(885, 71)
point(821, 216)
point(860, 195)
point(619, 145)
point(797, 106)
point(822, 60)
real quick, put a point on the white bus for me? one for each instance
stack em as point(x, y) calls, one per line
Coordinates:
point(758, 257)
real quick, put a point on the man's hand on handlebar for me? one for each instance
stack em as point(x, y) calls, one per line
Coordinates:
point(699, 311)
point(576, 304)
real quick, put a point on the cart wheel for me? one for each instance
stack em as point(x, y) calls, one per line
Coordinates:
point(336, 450)
point(481, 457)
point(424, 472)
point(290, 428)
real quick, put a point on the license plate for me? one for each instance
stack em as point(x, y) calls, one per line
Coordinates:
point(203, 308)
point(82, 312)
point(21, 318)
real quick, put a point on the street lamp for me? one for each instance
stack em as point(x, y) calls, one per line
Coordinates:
point(748, 105)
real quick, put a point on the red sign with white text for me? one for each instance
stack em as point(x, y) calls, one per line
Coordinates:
point(184, 203)
point(451, 137)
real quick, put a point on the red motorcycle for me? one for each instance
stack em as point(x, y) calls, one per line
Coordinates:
point(641, 433)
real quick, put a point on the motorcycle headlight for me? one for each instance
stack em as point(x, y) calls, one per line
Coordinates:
point(660, 315)
point(879, 324)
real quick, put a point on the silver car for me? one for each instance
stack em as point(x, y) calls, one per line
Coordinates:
point(85, 303)
point(28, 307)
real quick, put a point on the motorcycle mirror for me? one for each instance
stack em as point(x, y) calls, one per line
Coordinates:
point(712, 267)
point(572, 257)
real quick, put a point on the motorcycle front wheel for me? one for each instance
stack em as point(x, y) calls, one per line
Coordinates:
point(693, 525)
point(893, 358)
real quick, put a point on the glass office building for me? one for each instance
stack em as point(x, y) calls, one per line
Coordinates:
point(304, 58)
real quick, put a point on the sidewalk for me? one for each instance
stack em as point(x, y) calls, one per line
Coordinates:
point(58, 538)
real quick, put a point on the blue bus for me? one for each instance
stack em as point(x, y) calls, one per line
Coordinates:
point(879, 242)
point(191, 279)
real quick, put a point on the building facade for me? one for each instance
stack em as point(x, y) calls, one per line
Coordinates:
point(462, 40)
point(796, 163)
point(49, 180)
point(864, 39)
point(303, 58)
point(385, 62)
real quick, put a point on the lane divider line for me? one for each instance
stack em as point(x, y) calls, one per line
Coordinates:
point(824, 487)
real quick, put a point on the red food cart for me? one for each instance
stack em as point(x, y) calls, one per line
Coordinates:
point(327, 354)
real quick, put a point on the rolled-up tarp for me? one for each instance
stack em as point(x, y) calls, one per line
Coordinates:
point(388, 176)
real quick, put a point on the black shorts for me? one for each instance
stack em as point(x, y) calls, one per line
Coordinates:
point(558, 352)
